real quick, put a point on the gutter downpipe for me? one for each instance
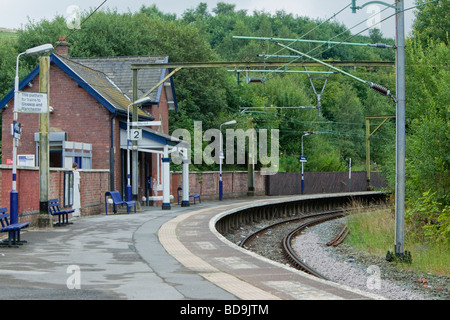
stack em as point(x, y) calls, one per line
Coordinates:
point(111, 156)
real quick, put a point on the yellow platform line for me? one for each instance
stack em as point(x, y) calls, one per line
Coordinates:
point(241, 289)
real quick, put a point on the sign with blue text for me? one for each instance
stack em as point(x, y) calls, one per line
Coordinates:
point(303, 159)
point(16, 129)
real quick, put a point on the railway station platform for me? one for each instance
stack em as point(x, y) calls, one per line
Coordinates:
point(153, 255)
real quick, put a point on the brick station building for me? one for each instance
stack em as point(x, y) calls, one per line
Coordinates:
point(88, 100)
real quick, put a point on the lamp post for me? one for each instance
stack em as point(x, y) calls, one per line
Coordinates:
point(400, 178)
point(128, 188)
point(221, 158)
point(308, 133)
point(14, 195)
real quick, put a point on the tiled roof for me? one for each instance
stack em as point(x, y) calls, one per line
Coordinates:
point(118, 69)
point(101, 84)
point(108, 79)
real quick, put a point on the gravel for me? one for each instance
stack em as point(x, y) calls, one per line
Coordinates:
point(346, 265)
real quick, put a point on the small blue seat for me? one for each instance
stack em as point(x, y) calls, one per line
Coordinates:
point(194, 196)
point(12, 229)
point(117, 200)
point(55, 210)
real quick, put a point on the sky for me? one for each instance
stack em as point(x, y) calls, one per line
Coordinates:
point(15, 14)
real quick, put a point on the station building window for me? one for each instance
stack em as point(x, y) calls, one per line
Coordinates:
point(64, 153)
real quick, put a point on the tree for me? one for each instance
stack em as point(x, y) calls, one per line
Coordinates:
point(198, 14)
point(432, 21)
point(428, 120)
point(375, 35)
point(8, 54)
point(213, 95)
point(153, 11)
point(224, 8)
point(428, 123)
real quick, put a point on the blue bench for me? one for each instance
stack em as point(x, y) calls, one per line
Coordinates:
point(194, 196)
point(12, 229)
point(117, 200)
point(55, 210)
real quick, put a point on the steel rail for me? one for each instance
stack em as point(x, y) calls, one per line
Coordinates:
point(308, 220)
point(290, 252)
point(339, 237)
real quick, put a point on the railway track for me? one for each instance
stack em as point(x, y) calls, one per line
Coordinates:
point(300, 224)
point(339, 238)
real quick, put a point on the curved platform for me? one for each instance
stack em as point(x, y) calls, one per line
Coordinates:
point(194, 241)
point(155, 255)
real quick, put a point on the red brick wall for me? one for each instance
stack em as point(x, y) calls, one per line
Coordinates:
point(76, 112)
point(27, 180)
point(117, 155)
point(160, 112)
point(206, 184)
point(94, 184)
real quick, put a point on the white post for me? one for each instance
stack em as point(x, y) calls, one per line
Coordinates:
point(76, 193)
point(166, 179)
point(220, 164)
point(14, 194)
point(128, 187)
point(185, 197)
point(350, 175)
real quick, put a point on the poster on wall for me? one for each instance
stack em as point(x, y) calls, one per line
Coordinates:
point(25, 160)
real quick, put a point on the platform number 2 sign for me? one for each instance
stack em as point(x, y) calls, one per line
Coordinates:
point(136, 134)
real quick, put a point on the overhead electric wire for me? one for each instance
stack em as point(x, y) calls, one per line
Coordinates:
point(332, 17)
point(347, 30)
point(372, 85)
point(354, 35)
point(348, 38)
point(345, 40)
point(323, 22)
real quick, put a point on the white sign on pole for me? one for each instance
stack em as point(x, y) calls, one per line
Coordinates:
point(31, 102)
point(146, 123)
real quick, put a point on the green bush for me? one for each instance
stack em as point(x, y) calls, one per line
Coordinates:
point(430, 217)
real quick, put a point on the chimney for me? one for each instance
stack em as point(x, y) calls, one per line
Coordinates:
point(62, 47)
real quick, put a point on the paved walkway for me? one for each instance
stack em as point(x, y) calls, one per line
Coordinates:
point(151, 255)
point(115, 257)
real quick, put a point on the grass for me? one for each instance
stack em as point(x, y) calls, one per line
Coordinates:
point(374, 231)
point(8, 35)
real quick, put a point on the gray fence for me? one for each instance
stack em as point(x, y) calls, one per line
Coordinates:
point(321, 182)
